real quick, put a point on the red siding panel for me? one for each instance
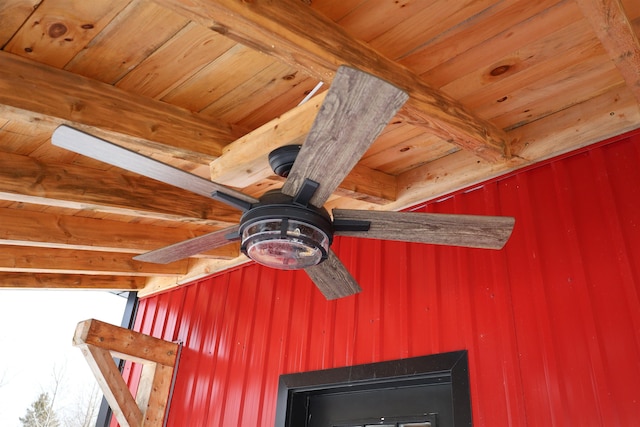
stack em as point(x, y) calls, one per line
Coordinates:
point(551, 323)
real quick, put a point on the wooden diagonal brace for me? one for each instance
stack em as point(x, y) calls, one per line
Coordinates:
point(100, 342)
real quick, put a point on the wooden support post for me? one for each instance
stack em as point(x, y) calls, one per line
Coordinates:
point(100, 342)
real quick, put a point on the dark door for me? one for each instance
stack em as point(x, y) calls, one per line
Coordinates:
point(413, 406)
point(424, 391)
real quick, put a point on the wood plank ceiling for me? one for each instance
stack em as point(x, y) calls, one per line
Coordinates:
point(212, 86)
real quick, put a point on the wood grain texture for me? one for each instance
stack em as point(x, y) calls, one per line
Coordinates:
point(188, 52)
point(474, 231)
point(530, 68)
point(198, 269)
point(145, 384)
point(130, 344)
point(556, 134)
point(113, 387)
point(81, 101)
point(408, 154)
point(369, 20)
point(130, 37)
point(48, 230)
point(101, 341)
point(229, 70)
point(549, 74)
point(275, 80)
point(428, 22)
point(617, 35)
point(305, 39)
point(368, 185)
point(354, 112)
point(188, 248)
point(24, 179)
point(332, 278)
point(56, 32)
point(470, 47)
point(70, 281)
point(71, 261)
point(13, 13)
point(279, 103)
point(158, 402)
point(245, 160)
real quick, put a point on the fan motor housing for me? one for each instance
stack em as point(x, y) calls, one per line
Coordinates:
point(282, 159)
point(279, 221)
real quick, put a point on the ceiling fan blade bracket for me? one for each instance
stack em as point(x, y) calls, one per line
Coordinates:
point(341, 225)
point(233, 237)
point(306, 192)
point(233, 201)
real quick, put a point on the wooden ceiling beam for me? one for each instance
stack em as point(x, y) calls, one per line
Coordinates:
point(21, 259)
point(24, 179)
point(70, 281)
point(246, 160)
point(106, 110)
point(307, 40)
point(47, 230)
point(615, 32)
point(567, 130)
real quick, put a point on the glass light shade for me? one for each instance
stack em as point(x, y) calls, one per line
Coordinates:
point(287, 245)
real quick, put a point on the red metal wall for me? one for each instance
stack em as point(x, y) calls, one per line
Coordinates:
point(551, 323)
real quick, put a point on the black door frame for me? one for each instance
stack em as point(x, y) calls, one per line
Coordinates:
point(294, 389)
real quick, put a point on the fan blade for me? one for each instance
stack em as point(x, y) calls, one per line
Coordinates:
point(474, 231)
point(188, 248)
point(332, 278)
point(107, 152)
point(356, 109)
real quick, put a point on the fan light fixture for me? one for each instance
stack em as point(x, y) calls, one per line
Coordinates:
point(284, 243)
point(281, 234)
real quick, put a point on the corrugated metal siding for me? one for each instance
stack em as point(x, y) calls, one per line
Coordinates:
point(551, 323)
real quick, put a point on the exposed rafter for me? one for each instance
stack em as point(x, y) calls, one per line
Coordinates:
point(245, 160)
point(46, 229)
point(571, 132)
point(70, 281)
point(296, 34)
point(616, 34)
point(23, 179)
point(548, 89)
point(22, 259)
point(106, 110)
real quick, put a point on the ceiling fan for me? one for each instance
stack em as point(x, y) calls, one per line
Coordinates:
point(289, 228)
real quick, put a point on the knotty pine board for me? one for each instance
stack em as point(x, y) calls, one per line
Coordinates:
point(140, 29)
point(185, 54)
point(58, 30)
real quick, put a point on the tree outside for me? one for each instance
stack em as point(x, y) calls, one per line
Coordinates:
point(61, 407)
point(37, 327)
point(41, 413)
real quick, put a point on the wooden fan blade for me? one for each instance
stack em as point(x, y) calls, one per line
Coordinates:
point(474, 231)
point(356, 109)
point(188, 248)
point(107, 152)
point(332, 278)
